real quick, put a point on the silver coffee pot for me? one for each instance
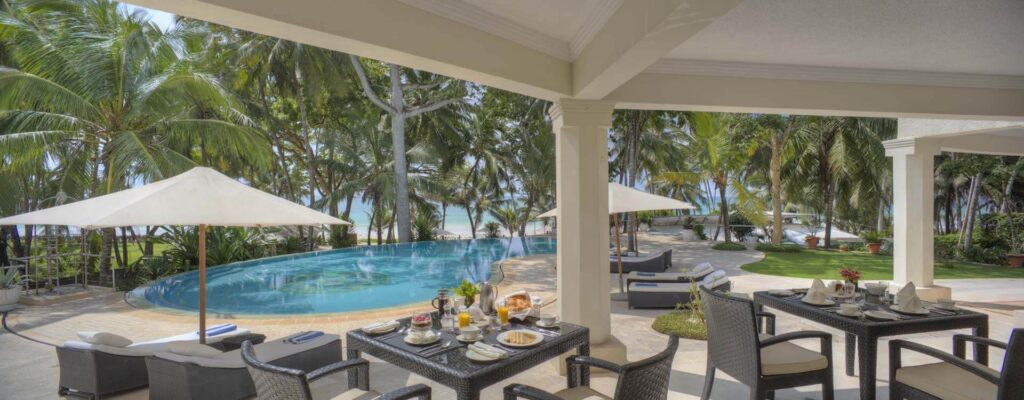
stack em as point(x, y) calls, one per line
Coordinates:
point(488, 298)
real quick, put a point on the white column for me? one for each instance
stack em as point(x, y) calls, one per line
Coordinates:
point(581, 130)
point(913, 211)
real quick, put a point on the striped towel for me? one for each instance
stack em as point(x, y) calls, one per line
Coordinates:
point(303, 337)
point(646, 284)
point(645, 273)
point(219, 329)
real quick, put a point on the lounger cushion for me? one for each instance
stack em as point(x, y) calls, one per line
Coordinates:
point(702, 269)
point(945, 381)
point(268, 352)
point(193, 349)
point(117, 351)
point(335, 387)
point(788, 358)
point(581, 393)
point(104, 338)
point(672, 287)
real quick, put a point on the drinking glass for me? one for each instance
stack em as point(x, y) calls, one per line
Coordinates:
point(464, 319)
point(503, 315)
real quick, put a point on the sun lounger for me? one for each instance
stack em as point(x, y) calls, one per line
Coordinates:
point(179, 377)
point(657, 261)
point(668, 295)
point(672, 275)
point(102, 369)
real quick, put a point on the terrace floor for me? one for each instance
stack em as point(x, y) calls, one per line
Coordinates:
point(28, 369)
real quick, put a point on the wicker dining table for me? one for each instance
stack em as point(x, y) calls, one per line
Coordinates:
point(862, 334)
point(449, 365)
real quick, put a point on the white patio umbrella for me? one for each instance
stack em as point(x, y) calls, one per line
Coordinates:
point(201, 197)
point(624, 199)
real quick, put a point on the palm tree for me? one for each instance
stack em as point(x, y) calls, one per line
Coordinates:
point(128, 97)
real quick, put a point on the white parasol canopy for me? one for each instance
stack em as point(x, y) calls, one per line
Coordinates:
point(623, 199)
point(200, 197)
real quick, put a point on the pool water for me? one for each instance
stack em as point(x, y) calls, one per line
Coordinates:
point(352, 279)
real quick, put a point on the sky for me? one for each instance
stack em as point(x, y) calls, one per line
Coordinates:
point(160, 18)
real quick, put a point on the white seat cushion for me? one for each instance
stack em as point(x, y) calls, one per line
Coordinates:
point(335, 387)
point(581, 393)
point(946, 381)
point(788, 358)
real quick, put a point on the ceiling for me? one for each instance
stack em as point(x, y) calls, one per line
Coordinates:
point(953, 36)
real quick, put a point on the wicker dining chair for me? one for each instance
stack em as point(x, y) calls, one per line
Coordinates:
point(955, 377)
point(763, 362)
point(277, 383)
point(642, 380)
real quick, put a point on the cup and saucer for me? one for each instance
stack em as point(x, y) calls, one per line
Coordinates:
point(469, 334)
point(849, 310)
point(945, 304)
point(548, 321)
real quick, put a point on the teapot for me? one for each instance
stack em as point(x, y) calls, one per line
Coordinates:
point(488, 298)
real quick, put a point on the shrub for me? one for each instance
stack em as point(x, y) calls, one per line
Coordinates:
point(423, 226)
point(946, 246)
point(698, 229)
point(341, 236)
point(782, 248)
point(872, 236)
point(492, 230)
point(645, 217)
point(729, 246)
point(740, 225)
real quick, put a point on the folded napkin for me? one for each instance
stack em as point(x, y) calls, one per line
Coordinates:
point(487, 350)
point(303, 337)
point(381, 327)
point(906, 293)
point(477, 314)
point(911, 304)
point(817, 293)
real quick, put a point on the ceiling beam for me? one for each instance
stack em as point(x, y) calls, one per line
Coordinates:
point(805, 97)
point(390, 31)
point(639, 34)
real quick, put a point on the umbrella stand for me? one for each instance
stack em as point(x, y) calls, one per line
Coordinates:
point(202, 283)
point(618, 249)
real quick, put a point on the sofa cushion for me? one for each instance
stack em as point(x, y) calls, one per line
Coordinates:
point(335, 387)
point(946, 381)
point(788, 358)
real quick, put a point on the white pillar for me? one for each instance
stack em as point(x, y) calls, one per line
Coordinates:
point(913, 215)
point(581, 153)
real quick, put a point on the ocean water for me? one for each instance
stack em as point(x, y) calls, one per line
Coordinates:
point(456, 221)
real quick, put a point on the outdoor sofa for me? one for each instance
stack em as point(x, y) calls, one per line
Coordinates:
point(224, 376)
point(668, 295)
point(98, 369)
point(671, 275)
point(656, 261)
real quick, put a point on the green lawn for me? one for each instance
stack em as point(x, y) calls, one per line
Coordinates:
point(826, 264)
point(134, 253)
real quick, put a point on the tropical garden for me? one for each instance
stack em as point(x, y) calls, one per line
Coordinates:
point(96, 98)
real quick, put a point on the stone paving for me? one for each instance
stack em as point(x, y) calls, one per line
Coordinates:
point(28, 370)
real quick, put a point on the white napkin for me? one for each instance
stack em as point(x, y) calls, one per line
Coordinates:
point(380, 327)
point(477, 314)
point(904, 294)
point(911, 304)
point(487, 350)
point(817, 293)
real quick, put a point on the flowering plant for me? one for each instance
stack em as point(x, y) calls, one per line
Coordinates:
point(850, 274)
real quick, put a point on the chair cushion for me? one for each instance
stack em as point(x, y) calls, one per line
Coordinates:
point(104, 338)
point(335, 387)
point(788, 358)
point(946, 381)
point(581, 393)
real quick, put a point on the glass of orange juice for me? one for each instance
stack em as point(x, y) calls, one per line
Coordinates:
point(503, 315)
point(464, 319)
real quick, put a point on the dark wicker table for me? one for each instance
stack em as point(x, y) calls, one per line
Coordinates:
point(451, 367)
point(862, 334)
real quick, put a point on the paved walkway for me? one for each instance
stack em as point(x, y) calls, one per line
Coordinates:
point(29, 370)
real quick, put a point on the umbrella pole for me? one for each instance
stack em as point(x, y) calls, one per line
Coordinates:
point(618, 249)
point(202, 283)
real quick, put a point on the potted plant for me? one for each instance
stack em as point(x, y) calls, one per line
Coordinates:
point(1015, 255)
point(873, 240)
point(10, 286)
point(850, 275)
point(812, 224)
point(468, 291)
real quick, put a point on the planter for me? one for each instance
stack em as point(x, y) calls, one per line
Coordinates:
point(874, 248)
point(688, 235)
point(10, 296)
point(812, 242)
point(1016, 260)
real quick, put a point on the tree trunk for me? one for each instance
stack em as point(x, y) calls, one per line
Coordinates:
point(398, 147)
point(5, 259)
point(967, 234)
point(16, 245)
point(106, 245)
point(1004, 207)
point(724, 217)
point(776, 178)
point(829, 207)
point(472, 222)
point(880, 224)
point(300, 97)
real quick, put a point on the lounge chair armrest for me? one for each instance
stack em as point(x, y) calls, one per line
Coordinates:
point(825, 337)
point(766, 320)
point(519, 391)
point(895, 354)
point(593, 362)
point(337, 367)
point(417, 391)
point(960, 344)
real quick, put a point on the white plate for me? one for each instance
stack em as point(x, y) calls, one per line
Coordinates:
point(379, 332)
point(420, 342)
point(464, 340)
point(826, 303)
point(543, 325)
point(474, 356)
point(537, 338)
point(856, 314)
point(837, 295)
point(881, 315)
point(897, 308)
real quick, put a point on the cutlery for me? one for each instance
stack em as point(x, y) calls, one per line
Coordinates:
point(547, 333)
point(430, 347)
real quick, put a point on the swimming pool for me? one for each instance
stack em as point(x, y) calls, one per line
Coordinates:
point(352, 279)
